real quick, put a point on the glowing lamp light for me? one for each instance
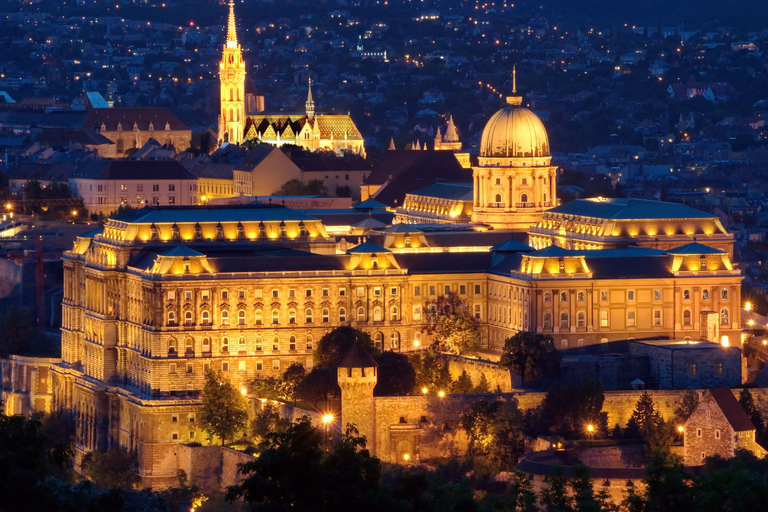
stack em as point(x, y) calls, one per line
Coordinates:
point(680, 428)
point(748, 306)
point(441, 394)
point(327, 418)
point(724, 341)
point(765, 342)
point(406, 457)
point(751, 323)
point(243, 391)
point(424, 390)
point(590, 428)
point(416, 343)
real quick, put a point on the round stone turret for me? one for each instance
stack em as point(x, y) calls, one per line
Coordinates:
point(357, 376)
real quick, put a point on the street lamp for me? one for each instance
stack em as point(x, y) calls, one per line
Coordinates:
point(680, 428)
point(327, 420)
point(441, 394)
point(424, 390)
point(748, 306)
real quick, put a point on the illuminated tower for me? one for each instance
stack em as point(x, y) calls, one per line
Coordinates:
point(357, 376)
point(232, 78)
point(310, 104)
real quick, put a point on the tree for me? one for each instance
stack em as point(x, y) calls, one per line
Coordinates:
point(495, 432)
point(319, 383)
point(396, 375)
point(296, 187)
point(668, 484)
point(648, 423)
point(266, 421)
point(555, 497)
point(431, 371)
point(112, 468)
point(462, 385)
point(521, 494)
point(334, 345)
point(686, 407)
point(224, 408)
point(451, 322)
point(483, 386)
point(569, 410)
point(531, 355)
point(748, 404)
point(292, 377)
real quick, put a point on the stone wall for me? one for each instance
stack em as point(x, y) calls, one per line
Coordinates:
point(497, 376)
point(211, 468)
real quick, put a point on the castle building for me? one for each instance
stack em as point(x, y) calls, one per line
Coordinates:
point(160, 295)
point(450, 142)
point(242, 117)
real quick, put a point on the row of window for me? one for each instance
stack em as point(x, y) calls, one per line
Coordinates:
point(630, 295)
point(309, 316)
point(205, 295)
point(693, 369)
point(631, 318)
point(242, 366)
point(189, 344)
point(432, 290)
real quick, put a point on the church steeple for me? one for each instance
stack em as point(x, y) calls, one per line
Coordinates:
point(310, 104)
point(232, 81)
point(231, 27)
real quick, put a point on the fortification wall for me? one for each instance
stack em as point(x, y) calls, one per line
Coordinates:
point(497, 376)
point(211, 468)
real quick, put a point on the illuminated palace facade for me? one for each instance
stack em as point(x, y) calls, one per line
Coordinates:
point(242, 117)
point(162, 294)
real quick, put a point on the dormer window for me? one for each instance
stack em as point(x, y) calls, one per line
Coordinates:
point(151, 126)
point(167, 126)
point(119, 127)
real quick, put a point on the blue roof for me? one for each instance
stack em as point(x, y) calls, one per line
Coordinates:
point(512, 245)
point(182, 251)
point(626, 209)
point(227, 213)
point(694, 248)
point(369, 222)
point(369, 204)
point(368, 248)
point(453, 191)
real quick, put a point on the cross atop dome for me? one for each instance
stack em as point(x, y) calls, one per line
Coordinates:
point(514, 99)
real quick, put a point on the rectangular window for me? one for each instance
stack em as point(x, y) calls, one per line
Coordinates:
point(477, 288)
point(171, 199)
point(657, 317)
point(698, 432)
point(275, 364)
point(718, 369)
point(462, 289)
point(187, 296)
point(603, 295)
point(342, 292)
point(377, 291)
point(360, 291)
point(656, 294)
point(139, 188)
point(155, 188)
point(447, 289)
point(308, 292)
point(190, 368)
point(478, 311)
point(692, 369)
point(171, 295)
point(225, 366)
point(241, 366)
point(172, 368)
point(206, 367)
point(224, 294)
point(191, 434)
point(417, 291)
point(717, 433)
point(393, 290)
point(259, 366)
point(205, 295)
point(275, 294)
point(416, 313)
point(175, 436)
point(241, 294)
point(171, 188)
point(432, 290)
point(603, 319)
point(258, 294)
point(325, 292)
point(291, 293)
point(630, 294)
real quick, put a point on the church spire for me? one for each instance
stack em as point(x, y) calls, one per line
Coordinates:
point(514, 99)
point(231, 26)
point(310, 104)
point(451, 135)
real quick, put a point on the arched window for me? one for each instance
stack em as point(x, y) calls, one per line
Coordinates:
point(310, 343)
point(225, 344)
point(580, 296)
point(498, 198)
point(292, 343)
point(394, 314)
point(326, 316)
point(241, 317)
point(523, 198)
point(547, 320)
point(206, 344)
point(630, 318)
point(241, 344)
point(686, 294)
point(205, 317)
point(342, 315)
point(275, 316)
point(225, 317)
point(189, 346)
point(687, 317)
point(724, 293)
point(231, 94)
point(547, 297)
point(171, 318)
point(581, 319)
point(724, 318)
point(259, 344)
point(258, 317)
point(564, 320)
point(394, 340)
point(308, 316)
point(119, 146)
point(377, 314)
point(276, 344)
point(188, 318)
point(563, 296)
point(291, 316)
point(705, 294)
point(378, 340)
point(172, 346)
point(361, 314)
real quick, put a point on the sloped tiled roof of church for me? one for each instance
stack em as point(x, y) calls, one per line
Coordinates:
point(732, 410)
